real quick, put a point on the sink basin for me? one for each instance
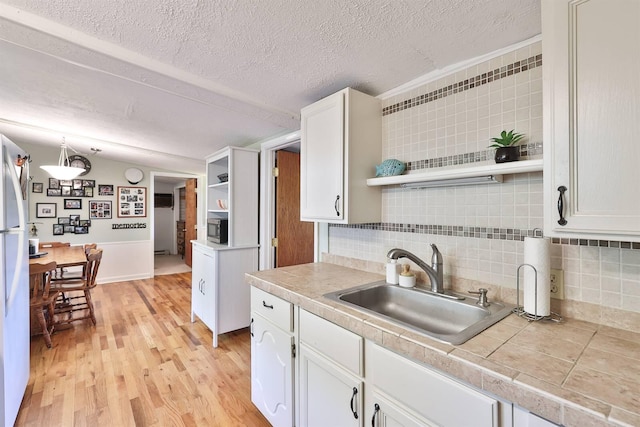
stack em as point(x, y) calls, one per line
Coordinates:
point(446, 319)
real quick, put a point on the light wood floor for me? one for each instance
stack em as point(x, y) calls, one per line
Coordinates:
point(143, 364)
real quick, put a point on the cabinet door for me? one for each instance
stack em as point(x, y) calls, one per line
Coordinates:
point(591, 116)
point(271, 371)
point(384, 413)
point(322, 159)
point(203, 291)
point(197, 278)
point(329, 396)
point(427, 393)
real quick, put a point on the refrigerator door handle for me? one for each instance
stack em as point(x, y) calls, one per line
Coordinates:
point(10, 296)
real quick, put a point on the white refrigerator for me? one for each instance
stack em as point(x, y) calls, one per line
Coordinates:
point(14, 268)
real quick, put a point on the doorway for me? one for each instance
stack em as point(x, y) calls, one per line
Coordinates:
point(170, 221)
point(268, 205)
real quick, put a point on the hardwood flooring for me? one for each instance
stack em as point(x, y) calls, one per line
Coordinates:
point(143, 364)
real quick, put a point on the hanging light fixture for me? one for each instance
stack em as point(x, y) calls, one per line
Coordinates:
point(63, 170)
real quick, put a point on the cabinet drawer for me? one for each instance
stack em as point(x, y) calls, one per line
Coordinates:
point(342, 346)
point(427, 393)
point(276, 310)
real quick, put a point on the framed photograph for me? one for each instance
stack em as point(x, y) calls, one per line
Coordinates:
point(69, 229)
point(73, 203)
point(105, 190)
point(77, 184)
point(36, 187)
point(85, 223)
point(54, 183)
point(66, 182)
point(88, 183)
point(77, 193)
point(100, 209)
point(81, 230)
point(132, 202)
point(74, 219)
point(54, 192)
point(46, 210)
point(65, 190)
point(88, 191)
point(58, 229)
point(63, 221)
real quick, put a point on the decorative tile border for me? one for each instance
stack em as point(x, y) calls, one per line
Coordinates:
point(526, 150)
point(484, 233)
point(479, 80)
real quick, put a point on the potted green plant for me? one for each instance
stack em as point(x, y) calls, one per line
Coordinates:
point(506, 150)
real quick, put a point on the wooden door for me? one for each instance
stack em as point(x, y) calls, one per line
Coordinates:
point(191, 203)
point(295, 238)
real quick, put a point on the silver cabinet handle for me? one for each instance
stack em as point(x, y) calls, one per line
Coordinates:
point(335, 205)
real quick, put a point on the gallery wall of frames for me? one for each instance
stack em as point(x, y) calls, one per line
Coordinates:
point(76, 194)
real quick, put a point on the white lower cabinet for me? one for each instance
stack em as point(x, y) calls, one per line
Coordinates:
point(219, 294)
point(272, 352)
point(330, 367)
point(340, 379)
point(387, 413)
point(328, 395)
point(421, 394)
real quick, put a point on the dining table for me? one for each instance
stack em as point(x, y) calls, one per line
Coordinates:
point(65, 256)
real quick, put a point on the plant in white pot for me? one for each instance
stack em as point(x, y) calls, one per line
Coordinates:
point(506, 150)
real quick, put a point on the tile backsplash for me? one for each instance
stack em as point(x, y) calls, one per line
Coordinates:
point(479, 228)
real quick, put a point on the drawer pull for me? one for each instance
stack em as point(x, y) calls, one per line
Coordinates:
point(265, 305)
point(376, 409)
point(561, 190)
point(353, 402)
point(335, 205)
point(251, 327)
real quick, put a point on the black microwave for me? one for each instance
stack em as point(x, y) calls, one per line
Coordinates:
point(217, 230)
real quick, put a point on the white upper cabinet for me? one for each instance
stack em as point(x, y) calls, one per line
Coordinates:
point(591, 66)
point(340, 145)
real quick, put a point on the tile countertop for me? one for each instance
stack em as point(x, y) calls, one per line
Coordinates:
point(573, 373)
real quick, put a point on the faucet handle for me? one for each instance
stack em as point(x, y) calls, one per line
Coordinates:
point(482, 297)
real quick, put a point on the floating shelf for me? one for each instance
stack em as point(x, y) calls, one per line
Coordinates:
point(467, 172)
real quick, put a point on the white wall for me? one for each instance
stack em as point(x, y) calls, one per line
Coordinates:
point(128, 253)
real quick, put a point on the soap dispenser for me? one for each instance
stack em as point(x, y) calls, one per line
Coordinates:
point(392, 272)
point(407, 279)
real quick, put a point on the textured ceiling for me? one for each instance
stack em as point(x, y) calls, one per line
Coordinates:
point(161, 82)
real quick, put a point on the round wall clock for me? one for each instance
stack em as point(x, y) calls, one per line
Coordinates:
point(133, 175)
point(78, 161)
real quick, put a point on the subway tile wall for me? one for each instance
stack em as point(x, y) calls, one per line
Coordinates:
point(428, 131)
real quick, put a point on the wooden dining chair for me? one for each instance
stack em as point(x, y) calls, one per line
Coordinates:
point(74, 272)
point(42, 299)
point(75, 294)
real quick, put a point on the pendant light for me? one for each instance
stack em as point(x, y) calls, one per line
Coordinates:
point(63, 170)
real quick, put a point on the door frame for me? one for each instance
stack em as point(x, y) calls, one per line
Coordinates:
point(151, 203)
point(267, 202)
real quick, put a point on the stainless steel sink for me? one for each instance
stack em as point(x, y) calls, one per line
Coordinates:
point(446, 319)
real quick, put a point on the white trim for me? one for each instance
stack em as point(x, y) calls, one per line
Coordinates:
point(267, 194)
point(454, 68)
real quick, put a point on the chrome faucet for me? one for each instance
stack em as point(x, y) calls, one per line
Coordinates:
point(434, 271)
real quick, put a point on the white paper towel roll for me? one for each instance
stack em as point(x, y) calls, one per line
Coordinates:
point(536, 253)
